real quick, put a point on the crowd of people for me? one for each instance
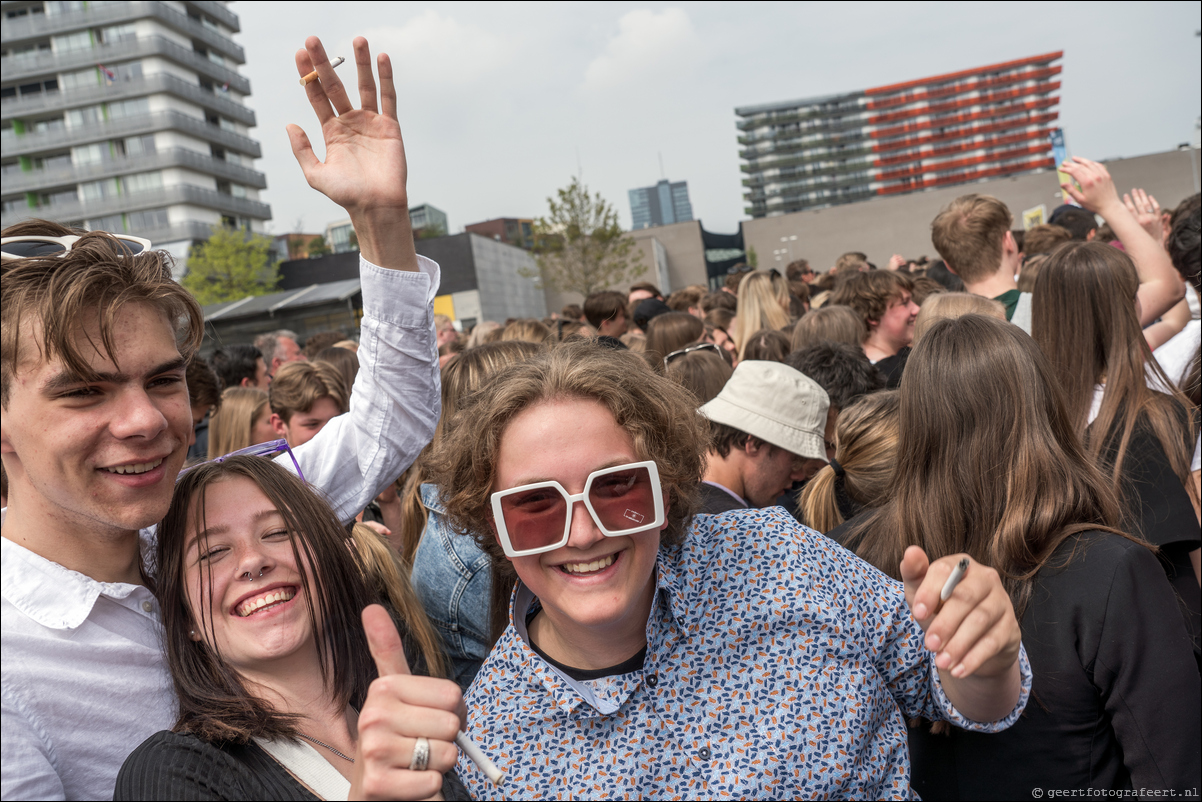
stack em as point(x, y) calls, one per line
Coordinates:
point(926, 530)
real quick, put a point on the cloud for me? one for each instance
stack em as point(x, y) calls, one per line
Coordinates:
point(649, 46)
point(435, 50)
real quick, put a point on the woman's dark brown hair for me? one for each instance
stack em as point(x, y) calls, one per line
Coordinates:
point(1085, 322)
point(659, 415)
point(767, 345)
point(988, 463)
point(703, 373)
point(669, 332)
point(214, 702)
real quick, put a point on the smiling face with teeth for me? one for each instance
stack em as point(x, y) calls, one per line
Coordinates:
point(257, 621)
point(89, 458)
point(596, 591)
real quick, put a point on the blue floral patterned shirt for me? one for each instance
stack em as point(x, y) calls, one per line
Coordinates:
point(779, 666)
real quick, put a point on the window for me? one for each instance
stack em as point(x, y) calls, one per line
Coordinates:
point(80, 40)
point(139, 145)
point(91, 154)
point(89, 115)
point(99, 190)
point(18, 204)
point(237, 190)
point(148, 220)
point(113, 222)
point(129, 108)
point(63, 6)
point(10, 169)
point(59, 198)
point(118, 33)
point(142, 182)
point(46, 126)
point(82, 79)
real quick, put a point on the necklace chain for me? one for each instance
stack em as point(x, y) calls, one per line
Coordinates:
point(326, 745)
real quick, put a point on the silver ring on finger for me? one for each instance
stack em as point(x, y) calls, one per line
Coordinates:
point(421, 755)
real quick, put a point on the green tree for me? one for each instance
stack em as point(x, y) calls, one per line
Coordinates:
point(752, 259)
point(229, 265)
point(580, 247)
point(318, 247)
point(430, 232)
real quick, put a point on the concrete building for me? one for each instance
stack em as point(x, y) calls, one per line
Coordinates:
point(429, 218)
point(957, 128)
point(480, 277)
point(661, 205)
point(902, 224)
point(517, 231)
point(127, 117)
point(340, 236)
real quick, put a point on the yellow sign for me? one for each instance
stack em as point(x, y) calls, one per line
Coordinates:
point(444, 305)
point(1035, 217)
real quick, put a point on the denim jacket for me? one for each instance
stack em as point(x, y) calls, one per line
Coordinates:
point(452, 578)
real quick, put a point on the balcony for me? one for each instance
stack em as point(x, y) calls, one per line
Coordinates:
point(27, 66)
point(42, 25)
point(770, 160)
point(46, 102)
point(42, 180)
point(140, 201)
point(830, 145)
point(30, 144)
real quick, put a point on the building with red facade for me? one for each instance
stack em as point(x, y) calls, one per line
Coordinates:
point(957, 128)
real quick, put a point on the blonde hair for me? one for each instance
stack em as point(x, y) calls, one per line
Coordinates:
point(949, 305)
point(866, 437)
point(527, 330)
point(486, 331)
point(763, 304)
point(231, 426)
point(836, 322)
point(387, 577)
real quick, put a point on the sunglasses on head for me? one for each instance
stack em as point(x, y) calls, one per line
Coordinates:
point(30, 247)
point(695, 347)
point(270, 450)
point(535, 518)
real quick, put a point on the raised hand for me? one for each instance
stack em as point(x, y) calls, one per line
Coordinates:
point(975, 631)
point(1146, 212)
point(364, 171)
point(1096, 192)
point(896, 261)
point(399, 709)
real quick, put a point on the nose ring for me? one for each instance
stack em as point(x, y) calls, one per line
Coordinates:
point(251, 578)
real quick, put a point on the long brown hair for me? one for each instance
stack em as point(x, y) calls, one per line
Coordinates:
point(866, 449)
point(231, 427)
point(214, 702)
point(669, 332)
point(1084, 320)
point(988, 460)
point(463, 375)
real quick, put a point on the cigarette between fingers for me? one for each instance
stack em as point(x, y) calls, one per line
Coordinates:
point(311, 77)
point(479, 758)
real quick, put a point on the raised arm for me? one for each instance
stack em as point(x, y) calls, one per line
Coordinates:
point(364, 171)
point(1160, 286)
point(395, 401)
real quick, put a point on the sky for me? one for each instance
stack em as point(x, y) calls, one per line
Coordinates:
point(501, 104)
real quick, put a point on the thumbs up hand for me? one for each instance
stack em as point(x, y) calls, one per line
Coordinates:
point(400, 709)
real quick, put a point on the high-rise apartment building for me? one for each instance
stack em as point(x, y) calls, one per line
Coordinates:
point(128, 117)
point(948, 129)
point(661, 205)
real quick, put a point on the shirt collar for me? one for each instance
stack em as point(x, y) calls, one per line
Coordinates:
point(567, 693)
point(726, 489)
point(53, 596)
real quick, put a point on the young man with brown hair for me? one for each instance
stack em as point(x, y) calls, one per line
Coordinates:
point(606, 312)
point(973, 236)
point(883, 299)
point(304, 397)
point(96, 422)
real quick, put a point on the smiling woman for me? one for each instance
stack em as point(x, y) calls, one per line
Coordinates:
point(261, 599)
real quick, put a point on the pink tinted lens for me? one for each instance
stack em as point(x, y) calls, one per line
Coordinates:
point(623, 499)
point(535, 518)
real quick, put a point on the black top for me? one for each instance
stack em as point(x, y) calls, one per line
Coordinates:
point(892, 367)
point(715, 500)
point(178, 767)
point(1158, 505)
point(1115, 698)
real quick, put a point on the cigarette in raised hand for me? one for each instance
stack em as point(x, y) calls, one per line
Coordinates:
point(954, 579)
point(313, 75)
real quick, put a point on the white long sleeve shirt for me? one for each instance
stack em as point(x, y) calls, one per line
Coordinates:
point(84, 680)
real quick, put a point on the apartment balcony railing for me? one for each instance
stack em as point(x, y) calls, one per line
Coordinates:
point(26, 66)
point(140, 201)
point(47, 102)
point(31, 143)
point(38, 26)
point(43, 180)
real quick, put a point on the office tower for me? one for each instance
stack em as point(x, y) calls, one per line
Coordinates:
point(128, 117)
point(949, 129)
point(660, 205)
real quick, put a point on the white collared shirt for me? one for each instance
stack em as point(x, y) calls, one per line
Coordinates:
point(84, 680)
